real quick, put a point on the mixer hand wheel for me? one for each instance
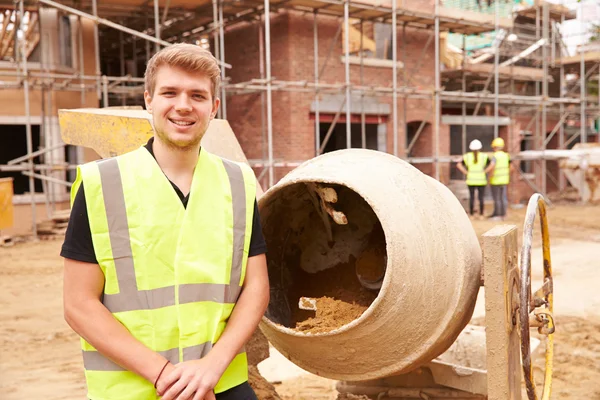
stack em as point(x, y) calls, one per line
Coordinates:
point(532, 304)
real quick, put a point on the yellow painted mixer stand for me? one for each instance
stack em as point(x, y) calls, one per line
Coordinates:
point(413, 342)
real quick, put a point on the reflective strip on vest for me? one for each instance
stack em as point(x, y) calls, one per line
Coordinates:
point(476, 170)
point(94, 361)
point(129, 297)
point(501, 175)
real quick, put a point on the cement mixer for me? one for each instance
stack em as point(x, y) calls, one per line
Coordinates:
point(375, 269)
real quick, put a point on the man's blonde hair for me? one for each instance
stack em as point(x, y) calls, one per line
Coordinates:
point(188, 57)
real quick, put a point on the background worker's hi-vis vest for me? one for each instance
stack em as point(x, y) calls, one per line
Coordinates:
point(476, 170)
point(501, 173)
point(173, 274)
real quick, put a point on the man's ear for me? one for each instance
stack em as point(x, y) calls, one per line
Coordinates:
point(148, 101)
point(215, 108)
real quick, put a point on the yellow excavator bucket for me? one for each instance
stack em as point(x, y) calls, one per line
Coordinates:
point(112, 131)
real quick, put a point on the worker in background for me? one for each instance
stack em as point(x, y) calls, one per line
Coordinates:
point(473, 165)
point(500, 169)
point(165, 274)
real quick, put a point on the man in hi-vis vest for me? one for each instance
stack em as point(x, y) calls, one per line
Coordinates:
point(500, 167)
point(473, 165)
point(165, 271)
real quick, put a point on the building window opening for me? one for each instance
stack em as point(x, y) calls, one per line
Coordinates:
point(14, 145)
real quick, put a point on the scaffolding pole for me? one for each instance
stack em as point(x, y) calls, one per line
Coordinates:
point(316, 66)
point(347, 70)
point(404, 84)
point(263, 130)
point(222, 58)
point(22, 42)
point(561, 134)
point(269, 89)
point(545, 23)
point(496, 62)
point(395, 76)
point(582, 92)
point(156, 26)
point(122, 64)
point(437, 105)
point(463, 104)
point(363, 128)
point(96, 44)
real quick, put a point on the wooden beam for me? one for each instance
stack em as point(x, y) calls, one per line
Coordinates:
point(5, 22)
point(501, 282)
point(9, 39)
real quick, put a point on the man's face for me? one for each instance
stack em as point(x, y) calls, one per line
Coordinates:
point(181, 107)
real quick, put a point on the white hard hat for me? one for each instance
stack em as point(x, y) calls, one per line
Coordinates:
point(475, 145)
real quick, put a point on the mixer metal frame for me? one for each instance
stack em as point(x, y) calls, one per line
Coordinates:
point(506, 278)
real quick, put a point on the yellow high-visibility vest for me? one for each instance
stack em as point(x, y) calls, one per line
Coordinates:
point(501, 173)
point(173, 274)
point(476, 170)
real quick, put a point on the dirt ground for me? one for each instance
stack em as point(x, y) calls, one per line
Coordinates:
point(40, 357)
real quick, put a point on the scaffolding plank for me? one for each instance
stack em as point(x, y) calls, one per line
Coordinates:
point(484, 70)
point(592, 56)
point(557, 11)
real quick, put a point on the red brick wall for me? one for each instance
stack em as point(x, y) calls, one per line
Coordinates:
point(292, 49)
point(520, 191)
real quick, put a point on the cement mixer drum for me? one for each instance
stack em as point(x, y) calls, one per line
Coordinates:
point(348, 211)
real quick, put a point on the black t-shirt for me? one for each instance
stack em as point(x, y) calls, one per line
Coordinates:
point(78, 243)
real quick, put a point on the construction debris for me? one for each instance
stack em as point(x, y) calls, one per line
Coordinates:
point(55, 227)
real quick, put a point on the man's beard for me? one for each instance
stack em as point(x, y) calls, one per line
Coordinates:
point(183, 146)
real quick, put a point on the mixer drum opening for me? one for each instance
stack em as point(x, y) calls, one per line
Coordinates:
point(327, 256)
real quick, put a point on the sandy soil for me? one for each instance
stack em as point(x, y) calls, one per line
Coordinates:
point(40, 357)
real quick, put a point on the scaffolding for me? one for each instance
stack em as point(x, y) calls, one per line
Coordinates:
point(465, 85)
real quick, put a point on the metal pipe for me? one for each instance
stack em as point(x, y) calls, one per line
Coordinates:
point(363, 124)
point(96, 43)
point(269, 94)
point(165, 12)
point(32, 175)
point(216, 48)
point(316, 65)
point(32, 155)
point(331, 128)
point(437, 102)
point(156, 26)
point(582, 91)
point(561, 136)
point(81, 65)
point(347, 70)
point(263, 118)
point(23, 58)
point(417, 134)
point(222, 58)
point(134, 69)
point(464, 105)
point(404, 84)
point(147, 23)
point(395, 75)
point(572, 139)
point(105, 91)
point(122, 63)
point(331, 47)
point(496, 62)
point(46, 139)
point(588, 73)
point(103, 22)
point(545, 16)
point(417, 66)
